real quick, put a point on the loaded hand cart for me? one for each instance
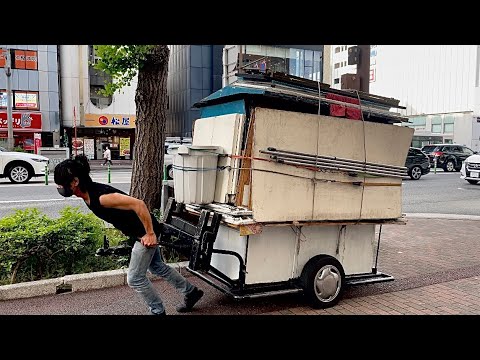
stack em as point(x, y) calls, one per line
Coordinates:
point(285, 186)
point(245, 259)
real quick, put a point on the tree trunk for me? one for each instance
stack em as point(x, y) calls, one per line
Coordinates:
point(151, 103)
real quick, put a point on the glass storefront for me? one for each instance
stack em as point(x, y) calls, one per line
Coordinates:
point(298, 62)
point(92, 142)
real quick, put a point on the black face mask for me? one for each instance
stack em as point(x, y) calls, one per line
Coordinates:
point(65, 191)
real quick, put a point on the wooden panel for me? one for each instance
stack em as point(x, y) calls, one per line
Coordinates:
point(382, 202)
point(288, 196)
point(387, 144)
point(339, 137)
point(337, 200)
point(282, 192)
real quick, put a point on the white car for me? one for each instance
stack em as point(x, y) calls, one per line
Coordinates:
point(470, 170)
point(20, 167)
point(172, 143)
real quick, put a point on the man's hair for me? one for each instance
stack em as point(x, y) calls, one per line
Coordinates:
point(68, 170)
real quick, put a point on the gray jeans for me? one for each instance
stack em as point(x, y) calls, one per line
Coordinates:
point(143, 259)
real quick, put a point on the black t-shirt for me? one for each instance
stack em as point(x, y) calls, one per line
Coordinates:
point(127, 221)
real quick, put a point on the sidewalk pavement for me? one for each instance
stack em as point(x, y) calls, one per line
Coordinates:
point(117, 164)
point(434, 258)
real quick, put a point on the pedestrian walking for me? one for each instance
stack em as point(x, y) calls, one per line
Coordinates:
point(107, 155)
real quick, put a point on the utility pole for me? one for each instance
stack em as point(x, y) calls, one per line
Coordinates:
point(8, 72)
point(360, 56)
point(363, 68)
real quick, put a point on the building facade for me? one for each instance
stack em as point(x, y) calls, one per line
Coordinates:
point(35, 96)
point(90, 121)
point(438, 85)
point(194, 72)
point(306, 61)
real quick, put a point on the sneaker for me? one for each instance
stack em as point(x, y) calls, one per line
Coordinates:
point(190, 300)
point(164, 313)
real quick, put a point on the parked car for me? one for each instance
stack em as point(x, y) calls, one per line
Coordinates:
point(20, 167)
point(449, 156)
point(171, 143)
point(470, 170)
point(417, 163)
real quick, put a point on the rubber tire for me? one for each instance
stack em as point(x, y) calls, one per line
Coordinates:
point(19, 182)
point(473, 182)
point(170, 170)
point(445, 168)
point(307, 278)
point(411, 172)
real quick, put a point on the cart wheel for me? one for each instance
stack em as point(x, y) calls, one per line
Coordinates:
point(322, 280)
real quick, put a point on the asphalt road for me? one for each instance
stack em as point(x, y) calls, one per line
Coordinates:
point(443, 193)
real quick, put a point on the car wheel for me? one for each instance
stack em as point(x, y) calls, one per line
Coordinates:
point(473, 182)
point(19, 174)
point(449, 166)
point(415, 173)
point(170, 172)
point(323, 280)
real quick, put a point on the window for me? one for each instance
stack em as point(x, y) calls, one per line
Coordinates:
point(417, 121)
point(336, 66)
point(3, 99)
point(436, 124)
point(337, 49)
point(98, 80)
point(336, 81)
point(467, 151)
point(448, 122)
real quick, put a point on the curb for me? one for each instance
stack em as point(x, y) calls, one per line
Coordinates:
point(441, 216)
point(72, 283)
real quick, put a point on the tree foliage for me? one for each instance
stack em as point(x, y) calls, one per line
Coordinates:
point(121, 62)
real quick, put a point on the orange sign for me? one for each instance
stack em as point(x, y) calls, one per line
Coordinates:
point(110, 120)
point(19, 59)
point(31, 62)
point(3, 57)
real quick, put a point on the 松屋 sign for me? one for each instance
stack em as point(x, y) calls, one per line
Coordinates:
point(110, 120)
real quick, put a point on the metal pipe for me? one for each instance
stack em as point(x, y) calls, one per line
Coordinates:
point(345, 166)
point(342, 162)
point(339, 169)
point(271, 149)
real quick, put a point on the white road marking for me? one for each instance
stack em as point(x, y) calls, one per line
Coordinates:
point(36, 200)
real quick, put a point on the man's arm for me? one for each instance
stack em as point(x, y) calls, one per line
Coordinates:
point(125, 202)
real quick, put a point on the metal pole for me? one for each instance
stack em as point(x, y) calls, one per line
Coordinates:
point(46, 174)
point(75, 129)
point(374, 270)
point(109, 177)
point(8, 72)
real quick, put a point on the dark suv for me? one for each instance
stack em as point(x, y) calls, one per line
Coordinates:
point(417, 163)
point(449, 156)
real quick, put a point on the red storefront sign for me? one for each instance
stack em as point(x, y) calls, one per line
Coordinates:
point(22, 121)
